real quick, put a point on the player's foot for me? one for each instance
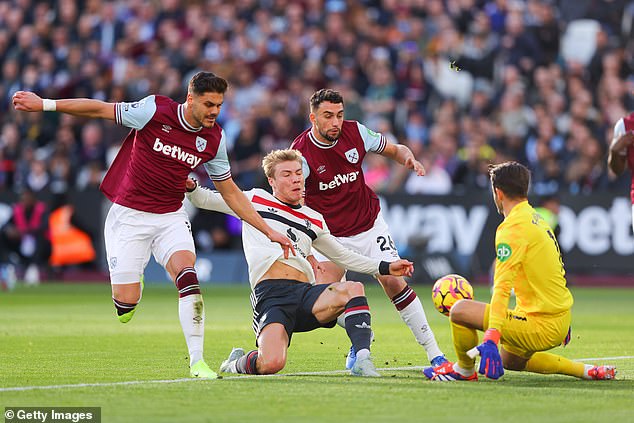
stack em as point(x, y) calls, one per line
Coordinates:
point(446, 373)
point(126, 317)
point(602, 372)
point(201, 370)
point(351, 358)
point(364, 367)
point(352, 354)
point(229, 365)
point(438, 361)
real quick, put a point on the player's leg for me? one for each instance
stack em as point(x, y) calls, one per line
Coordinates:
point(526, 342)
point(347, 299)
point(466, 317)
point(174, 249)
point(269, 358)
point(127, 251)
point(332, 272)
point(377, 243)
point(413, 315)
point(275, 304)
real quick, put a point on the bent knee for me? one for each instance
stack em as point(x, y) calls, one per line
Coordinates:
point(128, 293)
point(355, 289)
point(269, 366)
point(459, 313)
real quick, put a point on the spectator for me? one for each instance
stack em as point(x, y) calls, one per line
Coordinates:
point(391, 60)
point(25, 236)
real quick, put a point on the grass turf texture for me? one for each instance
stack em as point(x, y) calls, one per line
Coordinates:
point(67, 334)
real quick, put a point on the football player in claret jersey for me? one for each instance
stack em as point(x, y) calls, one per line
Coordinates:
point(146, 183)
point(621, 152)
point(333, 151)
point(284, 297)
point(528, 260)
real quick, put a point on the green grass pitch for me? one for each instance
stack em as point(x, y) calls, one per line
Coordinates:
point(59, 334)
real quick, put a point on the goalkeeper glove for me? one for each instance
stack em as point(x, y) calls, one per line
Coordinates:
point(490, 360)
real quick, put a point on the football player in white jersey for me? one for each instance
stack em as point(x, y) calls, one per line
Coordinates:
point(284, 295)
point(146, 183)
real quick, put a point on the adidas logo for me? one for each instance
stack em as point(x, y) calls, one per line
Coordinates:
point(363, 325)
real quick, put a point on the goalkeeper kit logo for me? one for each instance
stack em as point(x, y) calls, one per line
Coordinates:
point(503, 251)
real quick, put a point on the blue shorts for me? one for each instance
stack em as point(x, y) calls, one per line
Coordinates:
point(288, 302)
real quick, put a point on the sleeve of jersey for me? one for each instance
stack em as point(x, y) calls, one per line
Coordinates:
point(218, 168)
point(373, 141)
point(207, 199)
point(135, 115)
point(305, 168)
point(619, 128)
point(331, 248)
point(510, 253)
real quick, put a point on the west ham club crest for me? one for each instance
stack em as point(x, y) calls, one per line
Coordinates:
point(352, 155)
point(201, 144)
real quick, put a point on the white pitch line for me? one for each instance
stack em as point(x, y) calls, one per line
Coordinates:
point(189, 380)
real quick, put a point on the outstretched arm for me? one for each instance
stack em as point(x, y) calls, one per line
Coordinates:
point(241, 205)
point(26, 101)
point(342, 256)
point(403, 155)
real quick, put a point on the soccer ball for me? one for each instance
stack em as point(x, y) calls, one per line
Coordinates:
point(449, 289)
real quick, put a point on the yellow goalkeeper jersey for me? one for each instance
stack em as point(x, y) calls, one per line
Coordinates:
point(528, 259)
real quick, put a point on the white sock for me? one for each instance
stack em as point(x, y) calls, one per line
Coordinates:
point(587, 368)
point(414, 317)
point(463, 372)
point(191, 311)
point(363, 354)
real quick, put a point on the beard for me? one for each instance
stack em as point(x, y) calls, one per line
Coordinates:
point(330, 137)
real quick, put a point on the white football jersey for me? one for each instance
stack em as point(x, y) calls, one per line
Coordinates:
point(304, 226)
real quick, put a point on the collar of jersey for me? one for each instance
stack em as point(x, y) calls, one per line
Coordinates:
point(319, 143)
point(293, 206)
point(183, 121)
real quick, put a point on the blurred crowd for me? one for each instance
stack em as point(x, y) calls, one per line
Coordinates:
point(463, 83)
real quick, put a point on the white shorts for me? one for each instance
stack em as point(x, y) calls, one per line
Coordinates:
point(375, 243)
point(131, 235)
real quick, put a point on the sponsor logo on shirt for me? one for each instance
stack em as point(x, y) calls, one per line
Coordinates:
point(338, 180)
point(503, 251)
point(175, 152)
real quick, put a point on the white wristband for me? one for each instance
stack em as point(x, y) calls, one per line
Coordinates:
point(49, 105)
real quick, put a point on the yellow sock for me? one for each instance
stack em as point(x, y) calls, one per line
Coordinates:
point(463, 340)
point(547, 363)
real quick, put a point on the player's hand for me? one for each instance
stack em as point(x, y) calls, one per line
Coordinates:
point(413, 164)
point(401, 268)
point(318, 268)
point(621, 144)
point(190, 184)
point(284, 241)
point(490, 360)
point(26, 101)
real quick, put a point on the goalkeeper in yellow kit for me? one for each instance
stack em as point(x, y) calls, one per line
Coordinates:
point(528, 260)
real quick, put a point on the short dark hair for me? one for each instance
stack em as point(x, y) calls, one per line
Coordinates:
point(512, 178)
point(206, 82)
point(325, 94)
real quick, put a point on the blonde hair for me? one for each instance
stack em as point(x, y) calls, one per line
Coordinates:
point(278, 156)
